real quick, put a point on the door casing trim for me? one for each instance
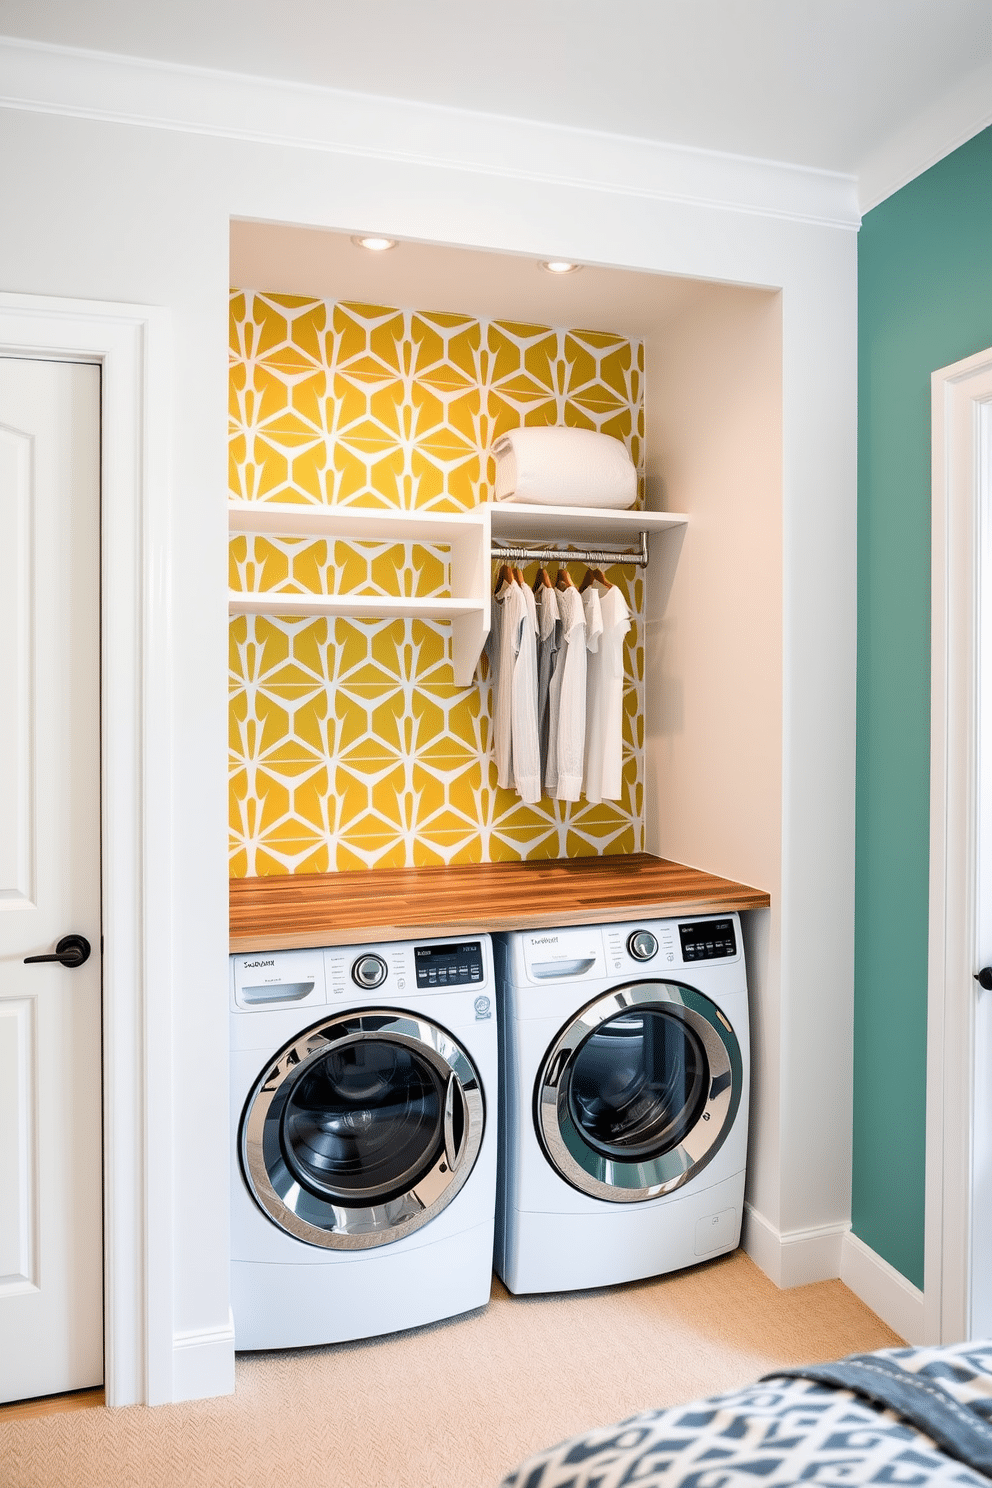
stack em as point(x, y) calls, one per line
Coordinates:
point(132, 345)
point(961, 496)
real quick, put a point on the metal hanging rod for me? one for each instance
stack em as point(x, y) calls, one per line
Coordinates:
point(574, 554)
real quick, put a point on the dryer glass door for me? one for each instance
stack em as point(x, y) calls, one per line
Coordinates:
point(362, 1129)
point(637, 1084)
point(639, 1091)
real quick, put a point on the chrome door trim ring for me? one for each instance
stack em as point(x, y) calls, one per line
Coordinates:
point(356, 1227)
point(635, 1182)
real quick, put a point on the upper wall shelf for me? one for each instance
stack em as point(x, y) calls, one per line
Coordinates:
point(360, 523)
point(517, 522)
point(469, 536)
point(350, 606)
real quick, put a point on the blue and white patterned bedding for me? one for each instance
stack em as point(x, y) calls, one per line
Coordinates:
point(796, 1431)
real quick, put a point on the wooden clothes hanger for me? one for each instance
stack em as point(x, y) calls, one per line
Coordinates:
point(563, 579)
point(543, 580)
point(594, 576)
point(504, 576)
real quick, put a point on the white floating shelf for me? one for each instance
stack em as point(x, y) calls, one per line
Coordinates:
point(350, 606)
point(519, 521)
point(468, 535)
point(359, 523)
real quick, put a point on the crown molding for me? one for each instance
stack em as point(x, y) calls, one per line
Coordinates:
point(930, 135)
point(124, 90)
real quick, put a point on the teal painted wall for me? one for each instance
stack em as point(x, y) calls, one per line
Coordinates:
point(925, 300)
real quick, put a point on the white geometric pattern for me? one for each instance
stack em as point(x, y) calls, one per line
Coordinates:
point(351, 745)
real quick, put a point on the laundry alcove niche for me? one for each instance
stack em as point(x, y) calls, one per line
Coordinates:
point(379, 381)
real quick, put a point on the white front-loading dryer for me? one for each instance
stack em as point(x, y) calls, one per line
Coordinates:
point(363, 1118)
point(623, 1100)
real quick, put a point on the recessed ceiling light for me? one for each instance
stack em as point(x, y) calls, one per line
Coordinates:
point(559, 266)
point(374, 244)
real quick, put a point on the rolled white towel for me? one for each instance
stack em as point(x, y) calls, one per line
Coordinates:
point(564, 467)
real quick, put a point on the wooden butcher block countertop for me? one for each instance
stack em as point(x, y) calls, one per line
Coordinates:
point(317, 909)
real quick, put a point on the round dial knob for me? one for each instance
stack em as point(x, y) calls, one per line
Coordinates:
point(642, 945)
point(369, 971)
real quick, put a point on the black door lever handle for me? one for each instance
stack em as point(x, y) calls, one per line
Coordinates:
point(71, 950)
point(984, 978)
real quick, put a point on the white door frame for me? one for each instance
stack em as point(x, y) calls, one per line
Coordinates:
point(961, 495)
point(132, 345)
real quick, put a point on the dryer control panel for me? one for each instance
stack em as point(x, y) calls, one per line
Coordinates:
point(651, 947)
point(704, 940)
point(663, 946)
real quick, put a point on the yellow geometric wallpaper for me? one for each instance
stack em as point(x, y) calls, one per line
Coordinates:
point(351, 745)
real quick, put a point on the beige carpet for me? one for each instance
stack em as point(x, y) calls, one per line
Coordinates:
point(458, 1404)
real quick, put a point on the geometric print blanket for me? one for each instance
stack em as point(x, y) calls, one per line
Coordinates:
point(790, 1430)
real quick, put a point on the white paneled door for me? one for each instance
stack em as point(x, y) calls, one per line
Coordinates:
point(51, 1264)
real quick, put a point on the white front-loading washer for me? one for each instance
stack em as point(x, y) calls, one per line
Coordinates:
point(363, 1115)
point(624, 1079)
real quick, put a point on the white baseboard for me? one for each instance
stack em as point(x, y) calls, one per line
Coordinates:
point(882, 1288)
point(796, 1257)
point(203, 1363)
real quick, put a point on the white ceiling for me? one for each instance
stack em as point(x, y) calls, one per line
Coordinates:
point(821, 83)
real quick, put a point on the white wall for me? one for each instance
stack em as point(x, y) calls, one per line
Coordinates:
point(754, 618)
point(713, 767)
point(109, 210)
point(713, 411)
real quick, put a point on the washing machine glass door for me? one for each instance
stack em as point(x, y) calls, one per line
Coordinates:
point(362, 1129)
point(639, 1091)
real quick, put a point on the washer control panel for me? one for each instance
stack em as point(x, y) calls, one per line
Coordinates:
point(704, 940)
point(354, 975)
point(453, 965)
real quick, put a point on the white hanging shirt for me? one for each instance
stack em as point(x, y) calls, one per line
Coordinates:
point(524, 725)
point(568, 700)
point(509, 610)
point(604, 702)
point(592, 609)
